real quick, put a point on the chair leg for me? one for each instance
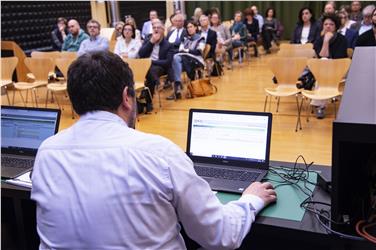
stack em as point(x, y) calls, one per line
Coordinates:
point(47, 98)
point(6, 92)
point(23, 100)
point(299, 121)
point(335, 108)
point(279, 98)
point(14, 94)
point(35, 97)
point(309, 108)
point(266, 101)
point(270, 103)
point(57, 100)
point(27, 95)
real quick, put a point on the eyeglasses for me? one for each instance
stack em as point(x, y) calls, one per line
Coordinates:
point(128, 29)
point(92, 27)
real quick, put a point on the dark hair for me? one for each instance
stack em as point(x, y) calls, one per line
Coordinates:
point(96, 81)
point(238, 12)
point(347, 8)
point(94, 21)
point(332, 17)
point(191, 21)
point(267, 10)
point(300, 16)
point(62, 19)
point(249, 12)
point(133, 30)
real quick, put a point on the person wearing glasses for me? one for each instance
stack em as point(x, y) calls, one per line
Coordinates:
point(127, 46)
point(95, 41)
point(75, 37)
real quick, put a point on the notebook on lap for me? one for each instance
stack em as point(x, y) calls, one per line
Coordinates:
point(22, 131)
point(229, 149)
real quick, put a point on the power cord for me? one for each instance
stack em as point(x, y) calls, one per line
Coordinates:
point(292, 176)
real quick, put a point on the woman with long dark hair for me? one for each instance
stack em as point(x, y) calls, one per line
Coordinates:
point(307, 29)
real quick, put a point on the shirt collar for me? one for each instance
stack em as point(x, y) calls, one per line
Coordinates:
point(103, 116)
point(94, 38)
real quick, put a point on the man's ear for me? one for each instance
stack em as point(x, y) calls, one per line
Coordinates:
point(126, 100)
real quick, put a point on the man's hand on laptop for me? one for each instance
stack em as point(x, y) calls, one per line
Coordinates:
point(265, 191)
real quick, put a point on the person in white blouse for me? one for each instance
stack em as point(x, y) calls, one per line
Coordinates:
point(131, 21)
point(101, 184)
point(127, 46)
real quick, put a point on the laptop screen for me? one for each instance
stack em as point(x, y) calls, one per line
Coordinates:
point(24, 129)
point(230, 135)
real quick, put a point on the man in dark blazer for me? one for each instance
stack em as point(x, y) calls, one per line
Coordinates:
point(368, 38)
point(178, 33)
point(210, 36)
point(160, 51)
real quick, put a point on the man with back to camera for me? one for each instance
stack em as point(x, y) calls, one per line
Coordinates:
point(95, 41)
point(75, 37)
point(101, 184)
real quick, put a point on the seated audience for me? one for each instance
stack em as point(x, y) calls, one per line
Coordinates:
point(368, 38)
point(160, 51)
point(209, 35)
point(356, 11)
point(349, 22)
point(75, 37)
point(238, 34)
point(127, 46)
point(119, 29)
point(147, 28)
point(101, 184)
point(178, 32)
point(307, 29)
point(188, 59)
point(223, 36)
point(350, 35)
point(259, 18)
point(59, 34)
point(169, 24)
point(366, 23)
point(269, 29)
point(253, 28)
point(131, 21)
point(330, 44)
point(95, 41)
point(329, 9)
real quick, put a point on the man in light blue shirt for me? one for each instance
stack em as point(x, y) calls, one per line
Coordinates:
point(95, 41)
point(75, 37)
point(101, 184)
point(259, 18)
point(147, 28)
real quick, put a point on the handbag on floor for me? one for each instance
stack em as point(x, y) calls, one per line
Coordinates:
point(201, 87)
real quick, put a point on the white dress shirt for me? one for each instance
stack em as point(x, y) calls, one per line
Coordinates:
point(102, 185)
point(130, 48)
point(176, 33)
point(305, 34)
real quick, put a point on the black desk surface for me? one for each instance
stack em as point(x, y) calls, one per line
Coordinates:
point(265, 233)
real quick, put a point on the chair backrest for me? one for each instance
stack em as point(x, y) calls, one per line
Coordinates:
point(40, 67)
point(298, 46)
point(287, 69)
point(329, 72)
point(8, 65)
point(63, 65)
point(53, 55)
point(108, 33)
point(68, 54)
point(139, 67)
point(112, 46)
point(206, 51)
point(297, 52)
point(21, 69)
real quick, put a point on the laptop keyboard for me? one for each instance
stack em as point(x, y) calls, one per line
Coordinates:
point(227, 174)
point(12, 162)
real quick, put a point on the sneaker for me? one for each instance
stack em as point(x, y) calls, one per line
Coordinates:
point(167, 85)
point(175, 96)
point(320, 113)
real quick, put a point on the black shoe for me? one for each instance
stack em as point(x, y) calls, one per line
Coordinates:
point(167, 85)
point(149, 107)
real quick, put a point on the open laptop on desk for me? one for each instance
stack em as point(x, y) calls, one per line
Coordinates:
point(229, 149)
point(22, 132)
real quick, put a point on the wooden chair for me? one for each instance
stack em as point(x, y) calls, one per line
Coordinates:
point(328, 74)
point(350, 52)
point(8, 65)
point(61, 87)
point(21, 69)
point(40, 68)
point(68, 54)
point(112, 46)
point(286, 70)
point(139, 67)
point(108, 33)
point(41, 54)
point(297, 52)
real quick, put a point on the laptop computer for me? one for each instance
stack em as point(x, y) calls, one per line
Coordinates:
point(229, 149)
point(22, 131)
